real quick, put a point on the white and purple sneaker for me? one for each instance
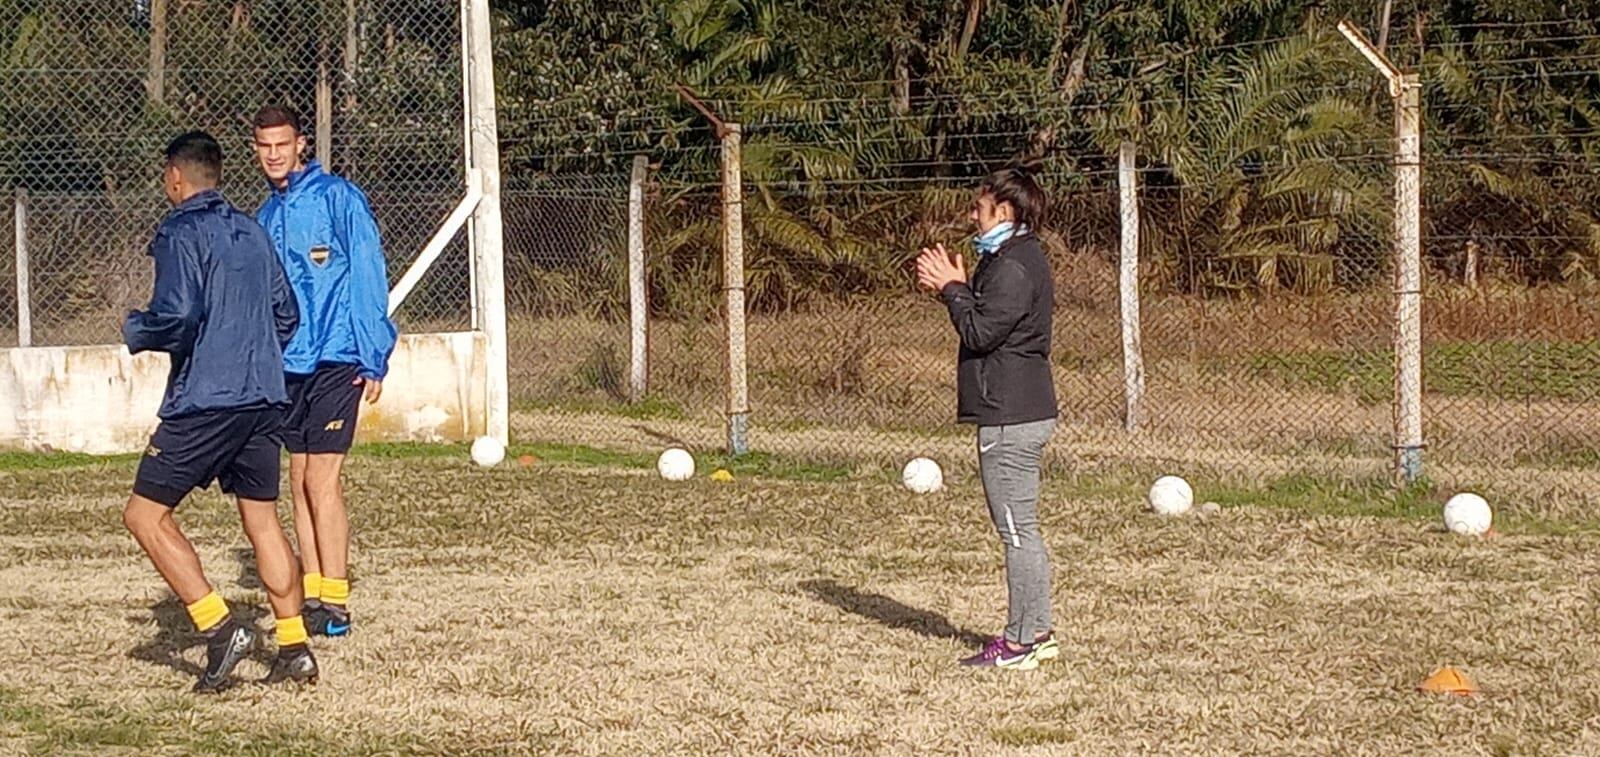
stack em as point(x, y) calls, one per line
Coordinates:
point(998, 654)
point(1046, 647)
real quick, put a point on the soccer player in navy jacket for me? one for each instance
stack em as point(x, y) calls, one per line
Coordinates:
point(223, 311)
point(327, 240)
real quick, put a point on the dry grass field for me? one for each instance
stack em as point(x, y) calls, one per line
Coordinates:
point(581, 606)
point(1245, 391)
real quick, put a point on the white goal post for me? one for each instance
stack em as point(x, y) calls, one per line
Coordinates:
point(480, 206)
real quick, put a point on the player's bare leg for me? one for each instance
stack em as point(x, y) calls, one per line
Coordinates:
point(305, 531)
point(275, 564)
point(332, 526)
point(227, 642)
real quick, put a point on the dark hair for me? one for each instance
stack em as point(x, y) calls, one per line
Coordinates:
point(277, 115)
point(1016, 186)
point(198, 156)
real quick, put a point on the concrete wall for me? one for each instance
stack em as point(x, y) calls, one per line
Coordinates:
point(101, 400)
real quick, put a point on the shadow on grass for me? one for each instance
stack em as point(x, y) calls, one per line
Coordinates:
point(175, 634)
point(246, 559)
point(889, 612)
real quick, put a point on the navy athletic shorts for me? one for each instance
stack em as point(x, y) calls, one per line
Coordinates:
point(322, 410)
point(239, 449)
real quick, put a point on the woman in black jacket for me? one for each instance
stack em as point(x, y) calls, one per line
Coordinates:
point(1004, 387)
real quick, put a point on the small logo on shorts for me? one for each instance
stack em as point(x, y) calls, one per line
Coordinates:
point(334, 426)
point(151, 451)
point(319, 254)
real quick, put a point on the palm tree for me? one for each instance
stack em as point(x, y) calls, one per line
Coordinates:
point(1269, 174)
point(799, 243)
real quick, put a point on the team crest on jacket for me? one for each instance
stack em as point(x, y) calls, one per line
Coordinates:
point(319, 254)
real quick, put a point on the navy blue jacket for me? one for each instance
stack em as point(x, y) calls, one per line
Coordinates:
point(222, 309)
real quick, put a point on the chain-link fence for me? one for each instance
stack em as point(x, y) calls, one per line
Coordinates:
point(1266, 272)
point(90, 92)
point(1267, 321)
point(566, 291)
point(1511, 331)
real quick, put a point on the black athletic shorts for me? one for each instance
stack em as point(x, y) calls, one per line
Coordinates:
point(239, 449)
point(322, 410)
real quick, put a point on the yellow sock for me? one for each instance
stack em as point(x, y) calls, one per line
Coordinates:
point(336, 591)
point(291, 631)
point(313, 585)
point(208, 612)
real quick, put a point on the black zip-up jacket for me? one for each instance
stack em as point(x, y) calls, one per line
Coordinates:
point(1003, 375)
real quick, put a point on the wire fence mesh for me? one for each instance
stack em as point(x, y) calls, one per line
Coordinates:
point(1511, 348)
point(1266, 277)
point(91, 91)
point(1267, 313)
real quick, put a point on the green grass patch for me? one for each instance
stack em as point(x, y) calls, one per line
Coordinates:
point(1312, 495)
point(651, 408)
point(11, 462)
point(752, 464)
point(1502, 369)
point(578, 454)
point(1327, 496)
point(772, 466)
point(408, 450)
point(1371, 497)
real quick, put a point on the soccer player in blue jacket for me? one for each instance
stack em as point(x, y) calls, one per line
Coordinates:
point(328, 243)
point(223, 311)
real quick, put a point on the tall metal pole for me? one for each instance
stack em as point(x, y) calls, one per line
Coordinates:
point(1406, 88)
point(638, 304)
point(1132, 352)
point(488, 241)
point(1408, 279)
point(24, 299)
point(738, 411)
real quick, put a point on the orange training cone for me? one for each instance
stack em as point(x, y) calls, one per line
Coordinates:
point(1448, 680)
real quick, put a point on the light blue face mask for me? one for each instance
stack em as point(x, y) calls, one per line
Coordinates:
point(990, 241)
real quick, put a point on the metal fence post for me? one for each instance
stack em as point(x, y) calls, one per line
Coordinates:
point(1406, 88)
point(324, 116)
point(1132, 352)
point(24, 299)
point(1408, 278)
point(738, 410)
point(156, 79)
point(638, 305)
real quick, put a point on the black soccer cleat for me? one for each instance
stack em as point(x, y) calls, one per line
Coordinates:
point(294, 664)
point(226, 647)
point(327, 620)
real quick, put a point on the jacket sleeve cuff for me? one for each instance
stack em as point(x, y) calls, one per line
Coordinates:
point(955, 290)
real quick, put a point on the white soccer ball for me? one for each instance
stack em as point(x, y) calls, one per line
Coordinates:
point(675, 465)
point(487, 451)
point(1467, 514)
point(922, 476)
point(1171, 495)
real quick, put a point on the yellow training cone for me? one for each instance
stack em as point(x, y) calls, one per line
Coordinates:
point(1448, 680)
point(722, 475)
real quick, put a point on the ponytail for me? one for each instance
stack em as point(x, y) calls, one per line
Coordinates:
point(1018, 187)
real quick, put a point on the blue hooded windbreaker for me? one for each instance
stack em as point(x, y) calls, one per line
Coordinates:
point(328, 243)
point(221, 308)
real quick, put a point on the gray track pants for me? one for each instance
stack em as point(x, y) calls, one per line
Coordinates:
point(1008, 459)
